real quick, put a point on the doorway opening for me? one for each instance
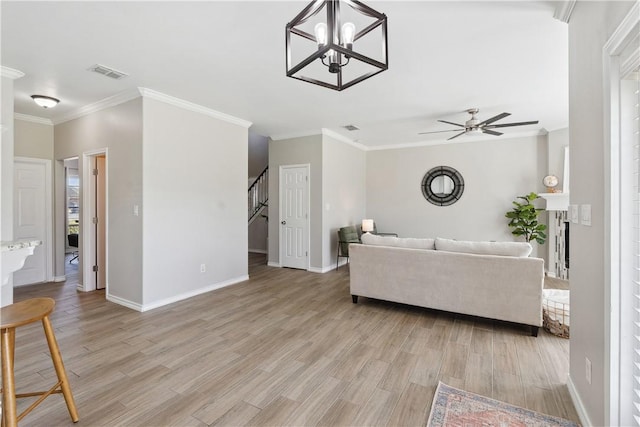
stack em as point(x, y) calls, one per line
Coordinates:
point(93, 221)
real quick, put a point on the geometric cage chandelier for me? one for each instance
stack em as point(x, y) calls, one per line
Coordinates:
point(336, 43)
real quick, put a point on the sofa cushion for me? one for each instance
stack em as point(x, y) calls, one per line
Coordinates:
point(398, 242)
point(516, 249)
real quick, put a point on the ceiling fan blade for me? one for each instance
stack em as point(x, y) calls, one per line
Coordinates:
point(491, 132)
point(455, 136)
point(451, 123)
point(439, 131)
point(504, 125)
point(494, 119)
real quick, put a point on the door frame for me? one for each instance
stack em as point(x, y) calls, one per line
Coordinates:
point(308, 207)
point(87, 208)
point(48, 202)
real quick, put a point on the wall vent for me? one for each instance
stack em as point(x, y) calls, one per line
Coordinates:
point(351, 127)
point(108, 72)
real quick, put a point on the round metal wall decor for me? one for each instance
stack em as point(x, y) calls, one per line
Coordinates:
point(442, 186)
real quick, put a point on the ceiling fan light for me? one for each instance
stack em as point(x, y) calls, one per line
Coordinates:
point(45, 101)
point(476, 131)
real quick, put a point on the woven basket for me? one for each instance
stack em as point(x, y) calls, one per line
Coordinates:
point(555, 317)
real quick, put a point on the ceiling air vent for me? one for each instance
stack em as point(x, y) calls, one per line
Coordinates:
point(108, 72)
point(351, 127)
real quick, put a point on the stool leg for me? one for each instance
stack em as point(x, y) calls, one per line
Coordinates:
point(9, 411)
point(60, 371)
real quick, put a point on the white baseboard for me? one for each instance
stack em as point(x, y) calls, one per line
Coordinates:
point(59, 278)
point(258, 251)
point(274, 264)
point(550, 274)
point(180, 297)
point(577, 402)
point(124, 302)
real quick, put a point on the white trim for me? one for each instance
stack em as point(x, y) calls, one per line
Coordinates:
point(578, 404)
point(58, 279)
point(332, 267)
point(308, 207)
point(624, 33)
point(87, 243)
point(80, 287)
point(32, 119)
point(112, 101)
point(292, 135)
point(335, 135)
point(124, 302)
point(274, 264)
point(190, 106)
point(48, 207)
point(563, 10)
point(258, 251)
point(461, 140)
point(10, 73)
point(185, 295)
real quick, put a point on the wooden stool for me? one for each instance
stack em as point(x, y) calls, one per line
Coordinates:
point(20, 314)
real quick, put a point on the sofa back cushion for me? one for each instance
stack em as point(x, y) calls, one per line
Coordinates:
point(516, 249)
point(398, 242)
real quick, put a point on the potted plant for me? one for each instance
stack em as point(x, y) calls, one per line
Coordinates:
point(524, 219)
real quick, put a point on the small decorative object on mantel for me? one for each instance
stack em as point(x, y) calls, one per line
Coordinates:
point(551, 182)
point(524, 219)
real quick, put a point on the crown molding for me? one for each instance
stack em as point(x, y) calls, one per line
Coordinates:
point(190, 106)
point(283, 136)
point(10, 73)
point(111, 101)
point(33, 119)
point(335, 135)
point(564, 9)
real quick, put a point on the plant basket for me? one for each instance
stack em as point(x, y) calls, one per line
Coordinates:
point(556, 312)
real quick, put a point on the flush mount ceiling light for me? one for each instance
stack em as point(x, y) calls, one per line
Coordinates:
point(45, 101)
point(336, 43)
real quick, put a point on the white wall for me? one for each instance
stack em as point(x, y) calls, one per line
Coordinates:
point(194, 203)
point(6, 177)
point(304, 150)
point(33, 140)
point(119, 129)
point(557, 140)
point(495, 172)
point(591, 24)
point(344, 193)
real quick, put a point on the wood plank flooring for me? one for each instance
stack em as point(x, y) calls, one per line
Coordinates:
point(286, 347)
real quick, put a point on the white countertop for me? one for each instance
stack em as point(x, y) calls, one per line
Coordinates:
point(19, 244)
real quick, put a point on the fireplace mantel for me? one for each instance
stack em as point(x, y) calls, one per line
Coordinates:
point(556, 201)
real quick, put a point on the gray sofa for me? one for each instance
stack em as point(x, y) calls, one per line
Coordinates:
point(496, 280)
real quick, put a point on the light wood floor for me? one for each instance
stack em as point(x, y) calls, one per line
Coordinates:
point(286, 347)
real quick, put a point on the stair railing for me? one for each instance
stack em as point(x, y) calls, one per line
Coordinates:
point(258, 195)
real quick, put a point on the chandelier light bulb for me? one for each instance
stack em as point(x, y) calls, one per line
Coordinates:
point(320, 31)
point(348, 34)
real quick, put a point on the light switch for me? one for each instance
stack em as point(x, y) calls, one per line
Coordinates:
point(575, 215)
point(136, 210)
point(585, 214)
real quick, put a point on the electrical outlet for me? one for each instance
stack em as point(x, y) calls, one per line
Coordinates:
point(203, 268)
point(587, 367)
point(575, 217)
point(585, 214)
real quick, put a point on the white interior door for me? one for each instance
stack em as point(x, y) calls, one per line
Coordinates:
point(30, 218)
point(294, 216)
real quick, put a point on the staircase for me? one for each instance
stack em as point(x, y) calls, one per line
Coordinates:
point(258, 195)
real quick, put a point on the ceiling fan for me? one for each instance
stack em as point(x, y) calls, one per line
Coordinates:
point(475, 126)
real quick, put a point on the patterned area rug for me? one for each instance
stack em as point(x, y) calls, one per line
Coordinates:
point(457, 408)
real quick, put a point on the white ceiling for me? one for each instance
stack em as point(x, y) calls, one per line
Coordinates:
point(229, 56)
